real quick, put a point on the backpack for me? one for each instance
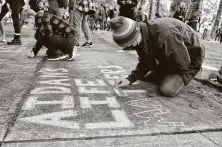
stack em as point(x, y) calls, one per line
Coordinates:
point(63, 3)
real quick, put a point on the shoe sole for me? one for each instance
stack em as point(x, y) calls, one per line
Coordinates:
point(87, 46)
point(61, 58)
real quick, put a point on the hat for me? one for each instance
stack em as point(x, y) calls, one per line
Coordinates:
point(125, 31)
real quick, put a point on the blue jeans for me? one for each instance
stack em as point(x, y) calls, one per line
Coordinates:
point(81, 20)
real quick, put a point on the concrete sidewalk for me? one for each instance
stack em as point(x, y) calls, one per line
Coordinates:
point(74, 104)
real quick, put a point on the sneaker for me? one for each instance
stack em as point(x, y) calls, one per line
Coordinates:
point(15, 42)
point(87, 44)
point(56, 58)
point(3, 39)
point(31, 55)
point(73, 55)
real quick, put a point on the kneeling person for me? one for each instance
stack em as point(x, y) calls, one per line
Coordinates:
point(56, 35)
point(170, 52)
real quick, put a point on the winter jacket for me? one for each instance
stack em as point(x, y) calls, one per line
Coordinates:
point(175, 45)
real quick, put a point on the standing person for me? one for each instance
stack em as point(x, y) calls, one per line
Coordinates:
point(102, 16)
point(54, 8)
point(33, 5)
point(2, 28)
point(127, 8)
point(218, 32)
point(26, 15)
point(55, 34)
point(177, 48)
point(80, 20)
point(139, 15)
point(180, 12)
point(15, 6)
point(193, 14)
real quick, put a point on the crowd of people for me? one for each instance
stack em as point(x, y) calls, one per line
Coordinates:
point(170, 50)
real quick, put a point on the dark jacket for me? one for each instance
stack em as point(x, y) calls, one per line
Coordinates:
point(174, 44)
point(127, 10)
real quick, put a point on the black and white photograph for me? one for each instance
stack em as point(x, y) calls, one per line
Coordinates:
point(110, 73)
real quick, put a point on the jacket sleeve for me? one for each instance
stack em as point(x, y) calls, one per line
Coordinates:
point(146, 63)
point(176, 53)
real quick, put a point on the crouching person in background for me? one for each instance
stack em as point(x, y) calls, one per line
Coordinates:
point(170, 52)
point(56, 35)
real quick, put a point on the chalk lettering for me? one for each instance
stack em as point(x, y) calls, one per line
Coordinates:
point(84, 90)
point(121, 121)
point(54, 119)
point(67, 102)
point(60, 82)
point(80, 82)
point(50, 90)
point(110, 101)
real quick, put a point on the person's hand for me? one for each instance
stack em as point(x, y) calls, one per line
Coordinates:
point(122, 82)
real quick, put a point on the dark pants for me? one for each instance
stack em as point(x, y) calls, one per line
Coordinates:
point(15, 6)
point(54, 43)
point(193, 24)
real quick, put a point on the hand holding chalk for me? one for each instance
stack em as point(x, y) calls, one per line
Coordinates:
point(121, 82)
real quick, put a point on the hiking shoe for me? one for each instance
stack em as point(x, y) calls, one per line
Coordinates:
point(56, 58)
point(87, 44)
point(15, 42)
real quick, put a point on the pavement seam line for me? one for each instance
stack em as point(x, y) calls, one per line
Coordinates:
point(118, 136)
point(11, 122)
point(209, 139)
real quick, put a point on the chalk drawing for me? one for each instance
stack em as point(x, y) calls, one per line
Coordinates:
point(90, 90)
point(60, 82)
point(54, 75)
point(55, 119)
point(58, 70)
point(142, 103)
point(111, 82)
point(100, 82)
point(134, 91)
point(110, 66)
point(120, 92)
point(121, 121)
point(111, 71)
point(50, 90)
point(66, 103)
point(114, 77)
point(155, 116)
point(110, 101)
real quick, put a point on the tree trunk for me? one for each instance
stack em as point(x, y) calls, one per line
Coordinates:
point(217, 21)
point(151, 9)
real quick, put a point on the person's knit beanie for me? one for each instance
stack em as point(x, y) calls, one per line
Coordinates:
point(125, 31)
